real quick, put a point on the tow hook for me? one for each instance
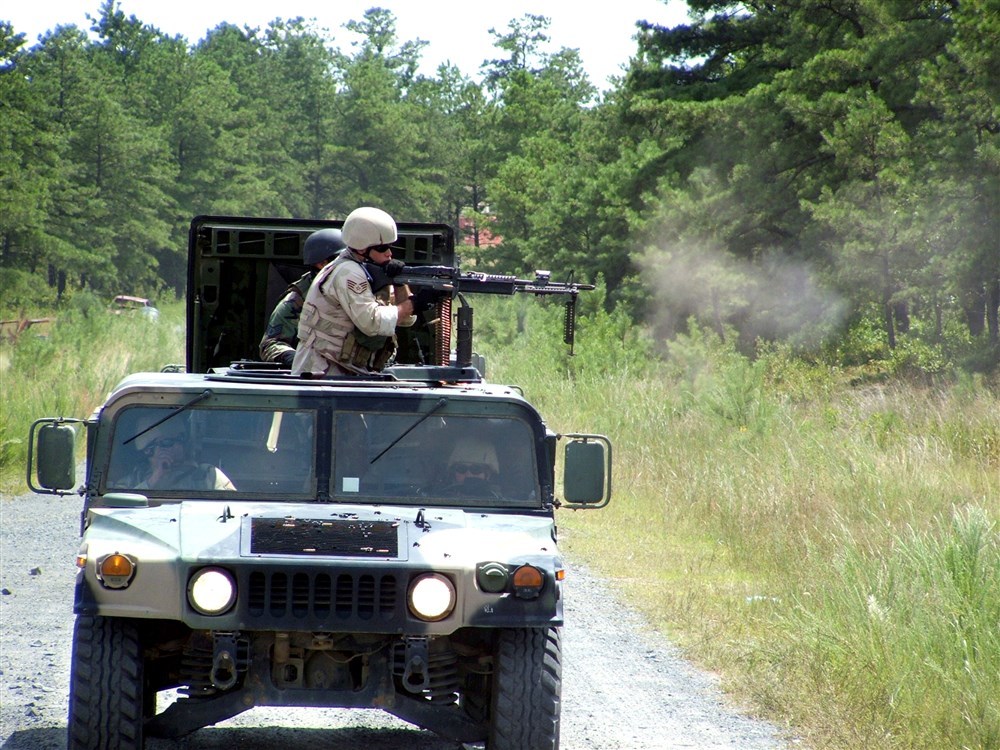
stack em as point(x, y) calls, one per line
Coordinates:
point(415, 659)
point(224, 660)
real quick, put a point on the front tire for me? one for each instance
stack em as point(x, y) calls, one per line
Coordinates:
point(106, 686)
point(527, 684)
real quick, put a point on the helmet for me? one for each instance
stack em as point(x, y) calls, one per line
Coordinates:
point(166, 431)
point(475, 451)
point(322, 245)
point(366, 227)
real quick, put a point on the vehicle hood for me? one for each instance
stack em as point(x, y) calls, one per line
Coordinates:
point(213, 531)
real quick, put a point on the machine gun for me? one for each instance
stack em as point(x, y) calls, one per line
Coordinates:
point(444, 283)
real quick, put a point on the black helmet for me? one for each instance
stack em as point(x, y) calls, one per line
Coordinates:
point(322, 245)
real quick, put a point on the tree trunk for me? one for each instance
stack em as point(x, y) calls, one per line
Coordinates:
point(992, 308)
point(901, 314)
point(974, 312)
point(887, 306)
point(717, 316)
point(890, 327)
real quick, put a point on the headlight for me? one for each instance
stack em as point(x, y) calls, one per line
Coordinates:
point(115, 571)
point(431, 597)
point(212, 591)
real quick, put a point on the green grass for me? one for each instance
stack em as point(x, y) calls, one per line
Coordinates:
point(69, 369)
point(830, 551)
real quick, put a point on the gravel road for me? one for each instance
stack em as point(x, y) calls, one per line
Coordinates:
point(624, 686)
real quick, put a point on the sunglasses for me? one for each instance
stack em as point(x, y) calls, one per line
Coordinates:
point(161, 443)
point(480, 469)
point(380, 248)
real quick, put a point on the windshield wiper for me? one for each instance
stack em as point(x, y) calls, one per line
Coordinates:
point(441, 402)
point(200, 397)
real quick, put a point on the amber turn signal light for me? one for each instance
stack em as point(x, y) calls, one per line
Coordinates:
point(528, 582)
point(115, 571)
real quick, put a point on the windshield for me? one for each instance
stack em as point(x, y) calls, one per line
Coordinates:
point(167, 451)
point(421, 457)
point(476, 460)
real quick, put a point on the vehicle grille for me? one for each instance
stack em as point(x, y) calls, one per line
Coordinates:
point(315, 537)
point(319, 597)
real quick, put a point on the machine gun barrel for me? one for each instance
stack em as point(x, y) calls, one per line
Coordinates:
point(445, 281)
point(448, 279)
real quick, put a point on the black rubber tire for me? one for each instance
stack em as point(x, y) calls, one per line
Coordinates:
point(527, 684)
point(475, 699)
point(106, 686)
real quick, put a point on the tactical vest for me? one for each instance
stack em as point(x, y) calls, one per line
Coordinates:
point(326, 327)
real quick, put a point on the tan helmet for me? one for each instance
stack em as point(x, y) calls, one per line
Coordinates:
point(367, 227)
point(475, 451)
point(167, 430)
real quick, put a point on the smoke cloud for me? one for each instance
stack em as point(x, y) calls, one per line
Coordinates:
point(771, 297)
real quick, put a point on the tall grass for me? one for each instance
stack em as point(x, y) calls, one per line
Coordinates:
point(907, 637)
point(69, 370)
point(830, 550)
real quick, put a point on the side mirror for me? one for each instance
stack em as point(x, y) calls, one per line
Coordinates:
point(587, 472)
point(56, 456)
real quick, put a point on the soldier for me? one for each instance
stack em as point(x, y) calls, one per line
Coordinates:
point(344, 328)
point(170, 465)
point(281, 336)
point(473, 469)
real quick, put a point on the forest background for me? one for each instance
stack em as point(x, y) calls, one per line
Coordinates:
point(791, 213)
point(822, 175)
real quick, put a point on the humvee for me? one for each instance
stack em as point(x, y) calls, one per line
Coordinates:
point(319, 545)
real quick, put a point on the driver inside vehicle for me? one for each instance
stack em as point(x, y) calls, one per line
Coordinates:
point(171, 466)
point(473, 469)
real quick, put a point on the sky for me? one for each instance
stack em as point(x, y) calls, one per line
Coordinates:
point(457, 31)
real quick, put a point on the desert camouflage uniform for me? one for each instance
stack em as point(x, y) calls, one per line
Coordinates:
point(344, 327)
point(190, 476)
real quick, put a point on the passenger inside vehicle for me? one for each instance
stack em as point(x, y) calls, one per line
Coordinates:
point(170, 465)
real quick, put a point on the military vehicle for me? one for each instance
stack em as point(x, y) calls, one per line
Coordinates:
point(250, 538)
